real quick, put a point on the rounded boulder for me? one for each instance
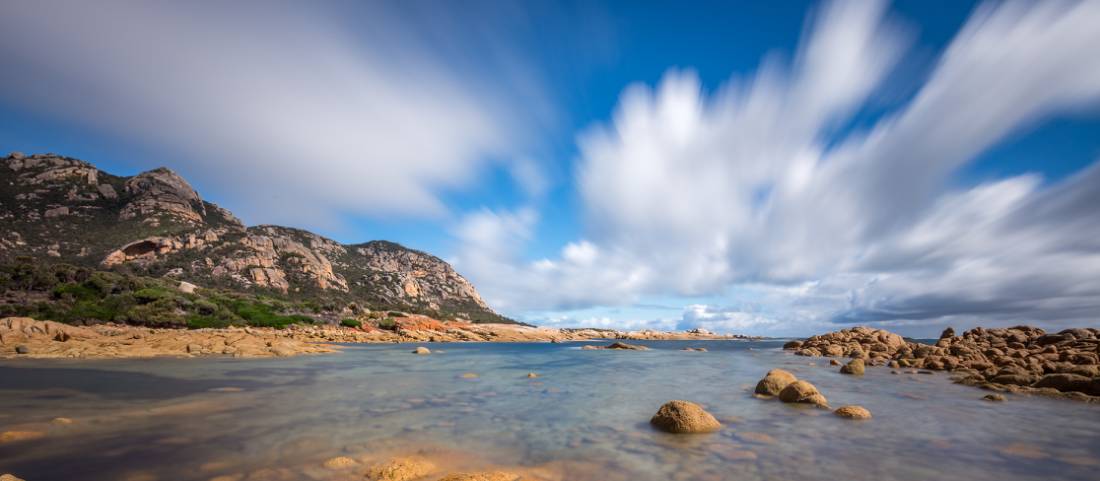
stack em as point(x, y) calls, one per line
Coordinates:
point(774, 382)
point(684, 417)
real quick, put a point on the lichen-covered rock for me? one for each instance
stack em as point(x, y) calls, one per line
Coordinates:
point(401, 469)
point(853, 412)
point(774, 382)
point(684, 417)
point(854, 367)
point(802, 392)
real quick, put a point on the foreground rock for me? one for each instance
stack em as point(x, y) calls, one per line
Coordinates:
point(401, 469)
point(853, 412)
point(9, 477)
point(804, 393)
point(774, 382)
point(684, 417)
point(1017, 359)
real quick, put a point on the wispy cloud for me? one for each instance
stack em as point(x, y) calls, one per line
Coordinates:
point(287, 109)
point(689, 193)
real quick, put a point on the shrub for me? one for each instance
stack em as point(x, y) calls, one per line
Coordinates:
point(351, 323)
point(79, 292)
point(387, 323)
point(153, 294)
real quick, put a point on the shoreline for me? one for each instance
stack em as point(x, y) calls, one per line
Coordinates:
point(26, 338)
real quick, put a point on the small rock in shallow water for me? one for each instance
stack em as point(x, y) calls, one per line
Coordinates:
point(61, 421)
point(683, 417)
point(834, 362)
point(469, 375)
point(532, 375)
point(994, 397)
point(340, 462)
point(422, 350)
point(774, 382)
point(855, 366)
point(802, 392)
point(853, 412)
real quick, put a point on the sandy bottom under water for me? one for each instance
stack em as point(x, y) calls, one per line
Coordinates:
point(584, 418)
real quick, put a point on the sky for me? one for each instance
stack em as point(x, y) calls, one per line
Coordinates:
point(769, 168)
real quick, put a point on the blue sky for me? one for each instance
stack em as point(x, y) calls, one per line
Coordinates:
point(763, 167)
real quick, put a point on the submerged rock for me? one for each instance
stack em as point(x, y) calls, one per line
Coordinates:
point(853, 412)
point(802, 392)
point(774, 382)
point(683, 417)
point(994, 397)
point(855, 367)
point(625, 346)
point(14, 436)
point(485, 476)
point(401, 469)
point(340, 462)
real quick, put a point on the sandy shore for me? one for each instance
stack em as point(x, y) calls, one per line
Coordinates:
point(29, 338)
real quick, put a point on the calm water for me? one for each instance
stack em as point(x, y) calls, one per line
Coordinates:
point(585, 418)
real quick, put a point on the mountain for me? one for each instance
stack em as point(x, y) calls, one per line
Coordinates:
point(57, 209)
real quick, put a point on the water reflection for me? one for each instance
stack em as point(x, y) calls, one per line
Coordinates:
point(583, 418)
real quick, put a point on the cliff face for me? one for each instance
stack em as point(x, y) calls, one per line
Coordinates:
point(58, 209)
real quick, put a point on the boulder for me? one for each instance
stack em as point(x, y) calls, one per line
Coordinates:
point(853, 412)
point(802, 392)
point(625, 346)
point(774, 382)
point(9, 477)
point(1064, 382)
point(22, 349)
point(684, 417)
point(855, 367)
point(947, 333)
point(421, 350)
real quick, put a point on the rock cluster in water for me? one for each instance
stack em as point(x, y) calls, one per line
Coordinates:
point(1015, 359)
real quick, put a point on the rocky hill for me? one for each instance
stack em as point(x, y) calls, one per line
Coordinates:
point(56, 209)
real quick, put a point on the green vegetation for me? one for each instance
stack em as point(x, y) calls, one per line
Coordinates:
point(80, 295)
point(351, 323)
point(387, 323)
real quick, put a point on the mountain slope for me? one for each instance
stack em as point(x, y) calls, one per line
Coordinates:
point(58, 209)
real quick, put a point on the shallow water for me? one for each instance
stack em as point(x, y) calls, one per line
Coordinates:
point(584, 418)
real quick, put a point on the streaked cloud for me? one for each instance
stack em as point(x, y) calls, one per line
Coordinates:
point(695, 193)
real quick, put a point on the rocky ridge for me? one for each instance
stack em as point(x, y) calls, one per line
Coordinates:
point(60, 209)
point(1016, 359)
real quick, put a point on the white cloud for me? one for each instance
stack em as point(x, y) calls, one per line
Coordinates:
point(291, 111)
point(688, 193)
